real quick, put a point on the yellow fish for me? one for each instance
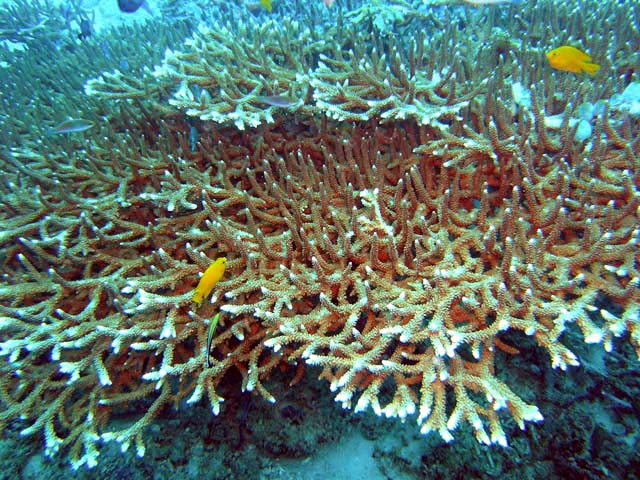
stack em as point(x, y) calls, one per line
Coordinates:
point(570, 59)
point(266, 4)
point(210, 277)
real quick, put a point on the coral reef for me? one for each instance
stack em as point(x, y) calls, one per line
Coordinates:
point(339, 72)
point(400, 228)
point(44, 71)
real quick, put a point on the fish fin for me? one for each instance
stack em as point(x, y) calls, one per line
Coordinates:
point(580, 55)
point(591, 68)
point(197, 298)
point(584, 57)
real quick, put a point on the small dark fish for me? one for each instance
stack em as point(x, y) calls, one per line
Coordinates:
point(130, 6)
point(85, 29)
point(70, 126)
point(283, 101)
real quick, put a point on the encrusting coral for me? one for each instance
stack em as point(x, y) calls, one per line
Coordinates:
point(398, 256)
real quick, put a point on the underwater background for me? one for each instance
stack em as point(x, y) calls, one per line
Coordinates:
point(428, 210)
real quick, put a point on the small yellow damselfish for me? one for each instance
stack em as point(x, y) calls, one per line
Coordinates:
point(210, 277)
point(571, 59)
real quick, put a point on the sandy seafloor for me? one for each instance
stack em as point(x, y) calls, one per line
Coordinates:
point(588, 433)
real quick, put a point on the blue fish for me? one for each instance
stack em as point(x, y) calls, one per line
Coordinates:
point(85, 28)
point(130, 6)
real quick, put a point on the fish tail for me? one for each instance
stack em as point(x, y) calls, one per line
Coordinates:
point(591, 68)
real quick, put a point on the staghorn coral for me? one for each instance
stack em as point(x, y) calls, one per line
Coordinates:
point(427, 70)
point(387, 257)
point(400, 257)
point(31, 22)
point(47, 74)
point(222, 72)
point(340, 72)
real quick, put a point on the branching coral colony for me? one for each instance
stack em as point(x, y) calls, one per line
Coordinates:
point(393, 255)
